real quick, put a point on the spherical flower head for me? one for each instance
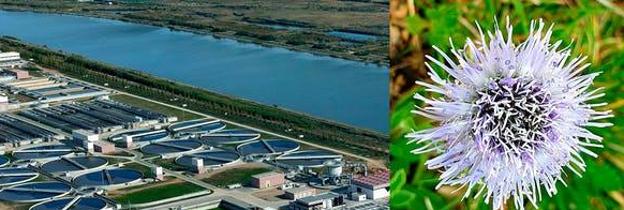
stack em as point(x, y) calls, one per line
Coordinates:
point(511, 118)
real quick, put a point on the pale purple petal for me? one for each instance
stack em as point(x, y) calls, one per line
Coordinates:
point(511, 118)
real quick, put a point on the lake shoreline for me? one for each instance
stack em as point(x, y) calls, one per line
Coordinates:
point(160, 51)
point(204, 32)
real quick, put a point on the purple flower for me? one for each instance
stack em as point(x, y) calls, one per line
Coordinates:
point(512, 118)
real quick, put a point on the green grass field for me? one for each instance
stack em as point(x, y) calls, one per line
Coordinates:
point(597, 31)
point(233, 176)
point(158, 193)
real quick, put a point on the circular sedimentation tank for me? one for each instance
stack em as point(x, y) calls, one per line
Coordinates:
point(231, 136)
point(16, 175)
point(197, 127)
point(43, 152)
point(34, 192)
point(268, 147)
point(211, 158)
point(4, 161)
point(70, 164)
point(144, 135)
point(170, 147)
point(308, 158)
point(108, 177)
point(77, 203)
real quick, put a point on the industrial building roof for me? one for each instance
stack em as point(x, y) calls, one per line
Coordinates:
point(201, 125)
point(15, 130)
point(299, 190)
point(375, 181)
point(231, 136)
point(92, 115)
point(308, 158)
point(141, 135)
point(317, 198)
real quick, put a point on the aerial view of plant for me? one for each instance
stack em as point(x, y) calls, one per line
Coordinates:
point(507, 104)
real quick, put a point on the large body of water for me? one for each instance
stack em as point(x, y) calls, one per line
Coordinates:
point(345, 91)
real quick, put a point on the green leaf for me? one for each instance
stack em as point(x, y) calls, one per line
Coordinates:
point(519, 10)
point(604, 177)
point(402, 199)
point(415, 24)
point(444, 25)
point(398, 181)
point(489, 6)
point(401, 119)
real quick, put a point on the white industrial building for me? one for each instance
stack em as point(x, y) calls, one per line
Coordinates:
point(328, 200)
point(10, 59)
point(4, 102)
point(158, 173)
point(374, 186)
point(299, 192)
point(85, 135)
point(4, 99)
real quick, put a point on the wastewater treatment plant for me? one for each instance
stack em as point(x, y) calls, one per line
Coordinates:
point(69, 144)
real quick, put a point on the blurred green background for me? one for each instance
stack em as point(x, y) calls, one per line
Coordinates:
point(597, 31)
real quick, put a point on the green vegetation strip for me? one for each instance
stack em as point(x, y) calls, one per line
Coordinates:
point(234, 176)
point(168, 164)
point(331, 134)
point(158, 193)
point(113, 161)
